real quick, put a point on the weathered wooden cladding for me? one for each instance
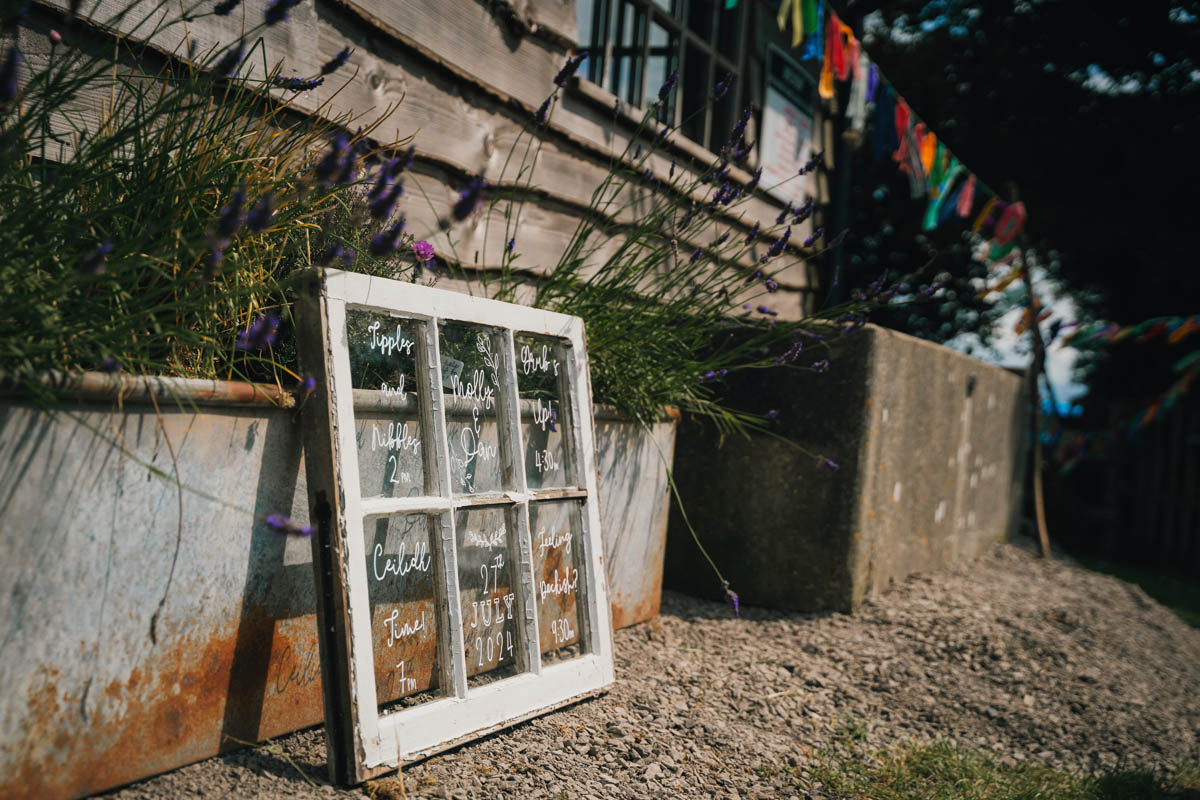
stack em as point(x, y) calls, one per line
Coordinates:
point(468, 115)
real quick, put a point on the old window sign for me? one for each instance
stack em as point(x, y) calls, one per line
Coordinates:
point(452, 478)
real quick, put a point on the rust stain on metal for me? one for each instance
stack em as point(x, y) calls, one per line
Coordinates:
point(177, 709)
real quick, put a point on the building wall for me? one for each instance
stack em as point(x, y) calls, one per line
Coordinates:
point(463, 78)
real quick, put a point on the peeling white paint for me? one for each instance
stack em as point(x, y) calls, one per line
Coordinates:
point(896, 492)
point(940, 514)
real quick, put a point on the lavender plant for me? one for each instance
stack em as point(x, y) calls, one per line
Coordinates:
point(150, 238)
point(680, 304)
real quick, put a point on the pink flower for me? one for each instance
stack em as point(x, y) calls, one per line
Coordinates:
point(423, 250)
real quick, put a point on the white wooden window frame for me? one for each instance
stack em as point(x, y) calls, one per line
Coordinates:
point(362, 742)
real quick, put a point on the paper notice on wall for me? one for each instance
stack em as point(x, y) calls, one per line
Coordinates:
point(786, 147)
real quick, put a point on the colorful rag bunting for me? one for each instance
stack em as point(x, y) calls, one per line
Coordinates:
point(966, 197)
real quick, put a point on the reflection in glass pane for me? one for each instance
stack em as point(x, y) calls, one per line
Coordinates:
point(664, 53)
point(541, 383)
point(387, 403)
point(557, 558)
point(471, 386)
point(487, 591)
point(404, 629)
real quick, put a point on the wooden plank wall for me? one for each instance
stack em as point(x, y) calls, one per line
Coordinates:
point(463, 77)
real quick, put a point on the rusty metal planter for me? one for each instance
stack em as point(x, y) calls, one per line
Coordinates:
point(90, 700)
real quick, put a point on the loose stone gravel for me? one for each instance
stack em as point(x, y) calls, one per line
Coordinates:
point(1028, 660)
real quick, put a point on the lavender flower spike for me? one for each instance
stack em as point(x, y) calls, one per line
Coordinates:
point(230, 217)
point(569, 68)
point(93, 262)
point(260, 334)
point(260, 216)
point(668, 86)
point(543, 112)
point(731, 597)
point(225, 7)
point(828, 464)
point(722, 86)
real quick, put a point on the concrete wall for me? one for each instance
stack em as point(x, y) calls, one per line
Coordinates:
point(91, 698)
point(928, 444)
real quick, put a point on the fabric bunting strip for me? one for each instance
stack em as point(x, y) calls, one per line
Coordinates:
point(1073, 447)
point(1176, 329)
point(933, 172)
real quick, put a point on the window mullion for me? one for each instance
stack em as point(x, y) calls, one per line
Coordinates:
point(530, 660)
point(451, 648)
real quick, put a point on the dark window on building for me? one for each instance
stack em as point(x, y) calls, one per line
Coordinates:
point(634, 45)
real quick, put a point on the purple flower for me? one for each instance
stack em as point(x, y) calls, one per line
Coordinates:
point(260, 334)
point(813, 163)
point(331, 163)
point(732, 598)
point(820, 366)
point(229, 219)
point(787, 209)
point(335, 252)
point(543, 111)
point(278, 10)
point(771, 285)
point(713, 375)
point(508, 248)
point(772, 414)
point(828, 464)
point(553, 419)
point(722, 86)
point(307, 384)
point(93, 262)
point(110, 365)
point(668, 86)
point(468, 198)
point(754, 179)
point(8, 77)
point(697, 254)
point(778, 246)
point(569, 68)
point(753, 234)
point(337, 62)
point(817, 234)
point(423, 250)
point(767, 311)
point(385, 242)
point(227, 66)
point(213, 261)
point(385, 201)
point(297, 84)
point(282, 523)
point(260, 216)
point(225, 7)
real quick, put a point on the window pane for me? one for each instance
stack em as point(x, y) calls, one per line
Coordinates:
point(387, 404)
point(664, 56)
point(486, 590)
point(404, 626)
point(557, 557)
point(700, 18)
point(542, 381)
point(695, 93)
point(627, 52)
point(471, 387)
point(728, 33)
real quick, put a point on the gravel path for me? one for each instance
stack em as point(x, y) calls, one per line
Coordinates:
point(1028, 660)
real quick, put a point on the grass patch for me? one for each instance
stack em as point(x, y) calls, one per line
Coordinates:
point(1180, 594)
point(940, 771)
